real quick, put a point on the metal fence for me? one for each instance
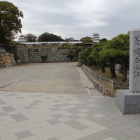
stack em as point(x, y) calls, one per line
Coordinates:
point(99, 77)
point(111, 83)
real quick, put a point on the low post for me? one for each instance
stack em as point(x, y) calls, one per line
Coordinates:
point(79, 61)
point(128, 101)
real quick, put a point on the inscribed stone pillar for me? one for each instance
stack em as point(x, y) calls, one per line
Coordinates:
point(128, 101)
point(134, 72)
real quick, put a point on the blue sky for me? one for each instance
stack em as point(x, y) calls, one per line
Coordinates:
point(79, 18)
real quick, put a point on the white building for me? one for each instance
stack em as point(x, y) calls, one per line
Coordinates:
point(21, 39)
point(96, 37)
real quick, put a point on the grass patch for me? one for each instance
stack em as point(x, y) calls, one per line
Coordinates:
point(107, 74)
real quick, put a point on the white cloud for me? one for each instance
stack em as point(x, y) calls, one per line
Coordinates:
point(79, 18)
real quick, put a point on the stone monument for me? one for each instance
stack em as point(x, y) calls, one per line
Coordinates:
point(128, 101)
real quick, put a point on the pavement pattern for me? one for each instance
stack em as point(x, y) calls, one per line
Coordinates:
point(46, 78)
point(63, 116)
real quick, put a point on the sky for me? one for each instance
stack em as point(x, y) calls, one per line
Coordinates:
point(79, 18)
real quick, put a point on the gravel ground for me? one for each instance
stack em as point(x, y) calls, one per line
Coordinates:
point(44, 78)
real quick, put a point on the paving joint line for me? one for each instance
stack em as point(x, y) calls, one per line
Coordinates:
point(22, 78)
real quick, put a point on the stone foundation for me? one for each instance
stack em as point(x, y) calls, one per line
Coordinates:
point(7, 60)
point(34, 54)
point(127, 102)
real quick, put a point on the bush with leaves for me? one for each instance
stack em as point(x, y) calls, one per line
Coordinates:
point(65, 45)
point(84, 55)
point(16, 57)
point(78, 50)
point(44, 57)
point(71, 56)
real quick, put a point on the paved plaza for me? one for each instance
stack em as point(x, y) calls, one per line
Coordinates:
point(46, 78)
point(56, 101)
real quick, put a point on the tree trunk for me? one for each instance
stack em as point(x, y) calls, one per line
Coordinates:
point(112, 68)
point(103, 68)
point(124, 77)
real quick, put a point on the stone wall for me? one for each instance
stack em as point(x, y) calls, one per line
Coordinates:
point(34, 54)
point(28, 54)
point(22, 52)
point(54, 54)
point(6, 59)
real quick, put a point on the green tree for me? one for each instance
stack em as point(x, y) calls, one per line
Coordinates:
point(103, 40)
point(70, 39)
point(10, 22)
point(30, 38)
point(49, 37)
point(78, 50)
point(117, 50)
point(94, 58)
point(84, 55)
point(123, 57)
point(97, 60)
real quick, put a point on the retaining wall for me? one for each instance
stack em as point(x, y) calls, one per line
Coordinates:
point(6, 59)
point(27, 54)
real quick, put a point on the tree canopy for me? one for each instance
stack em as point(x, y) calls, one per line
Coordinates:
point(115, 51)
point(70, 39)
point(10, 22)
point(30, 38)
point(49, 37)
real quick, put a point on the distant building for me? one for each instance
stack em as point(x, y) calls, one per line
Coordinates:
point(128, 32)
point(96, 37)
point(21, 39)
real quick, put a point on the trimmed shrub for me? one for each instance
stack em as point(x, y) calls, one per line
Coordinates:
point(44, 57)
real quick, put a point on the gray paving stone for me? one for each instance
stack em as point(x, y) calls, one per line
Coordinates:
point(62, 105)
point(54, 121)
point(73, 110)
point(74, 117)
point(19, 97)
point(12, 94)
point(8, 109)
point(76, 125)
point(47, 98)
point(2, 102)
point(3, 114)
point(37, 101)
point(53, 139)
point(57, 116)
point(37, 96)
point(94, 136)
point(19, 117)
point(29, 107)
point(54, 109)
point(33, 104)
point(23, 134)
